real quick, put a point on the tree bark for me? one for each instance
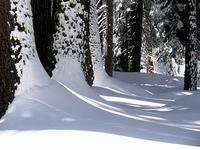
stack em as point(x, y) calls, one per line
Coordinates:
point(43, 30)
point(87, 63)
point(8, 73)
point(109, 38)
point(190, 80)
point(136, 52)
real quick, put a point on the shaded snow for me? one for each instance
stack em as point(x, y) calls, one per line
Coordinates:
point(111, 115)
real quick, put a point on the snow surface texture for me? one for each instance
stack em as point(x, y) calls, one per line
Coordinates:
point(29, 64)
point(113, 114)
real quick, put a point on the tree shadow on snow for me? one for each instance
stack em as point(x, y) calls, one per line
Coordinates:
point(99, 109)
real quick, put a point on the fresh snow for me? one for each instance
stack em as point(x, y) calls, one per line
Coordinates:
point(129, 111)
point(29, 64)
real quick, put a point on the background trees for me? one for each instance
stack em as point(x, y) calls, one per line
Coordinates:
point(179, 33)
point(128, 35)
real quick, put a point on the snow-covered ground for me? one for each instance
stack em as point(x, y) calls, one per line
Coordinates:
point(129, 111)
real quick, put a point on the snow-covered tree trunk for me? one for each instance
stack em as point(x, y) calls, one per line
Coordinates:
point(87, 60)
point(28, 65)
point(95, 43)
point(71, 41)
point(190, 46)
point(43, 29)
point(8, 73)
point(149, 37)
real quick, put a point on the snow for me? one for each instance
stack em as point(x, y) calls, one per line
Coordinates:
point(29, 68)
point(131, 110)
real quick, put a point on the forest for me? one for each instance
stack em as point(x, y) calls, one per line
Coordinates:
point(100, 74)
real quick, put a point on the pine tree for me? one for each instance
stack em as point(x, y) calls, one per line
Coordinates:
point(87, 62)
point(43, 31)
point(120, 36)
point(190, 28)
point(95, 43)
point(180, 36)
point(109, 38)
point(128, 35)
point(136, 50)
point(167, 19)
point(71, 39)
point(29, 68)
point(149, 40)
point(124, 34)
point(8, 73)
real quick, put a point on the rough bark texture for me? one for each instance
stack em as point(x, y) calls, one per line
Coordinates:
point(87, 63)
point(43, 30)
point(136, 52)
point(149, 36)
point(109, 38)
point(190, 80)
point(8, 73)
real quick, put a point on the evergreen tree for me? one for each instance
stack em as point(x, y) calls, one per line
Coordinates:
point(43, 31)
point(150, 41)
point(71, 40)
point(123, 34)
point(8, 72)
point(28, 65)
point(109, 38)
point(136, 50)
point(167, 19)
point(190, 28)
point(128, 35)
point(95, 43)
point(180, 36)
point(87, 61)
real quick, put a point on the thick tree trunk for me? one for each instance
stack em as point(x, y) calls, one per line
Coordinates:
point(136, 52)
point(8, 73)
point(43, 25)
point(87, 63)
point(109, 38)
point(190, 80)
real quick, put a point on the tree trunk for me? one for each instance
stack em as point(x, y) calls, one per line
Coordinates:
point(109, 38)
point(8, 73)
point(87, 63)
point(190, 80)
point(71, 39)
point(136, 52)
point(42, 23)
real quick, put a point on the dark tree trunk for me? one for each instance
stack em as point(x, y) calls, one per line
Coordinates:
point(190, 80)
point(136, 52)
point(109, 38)
point(8, 73)
point(87, 63)
point(198, 29)
point(43, 30)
